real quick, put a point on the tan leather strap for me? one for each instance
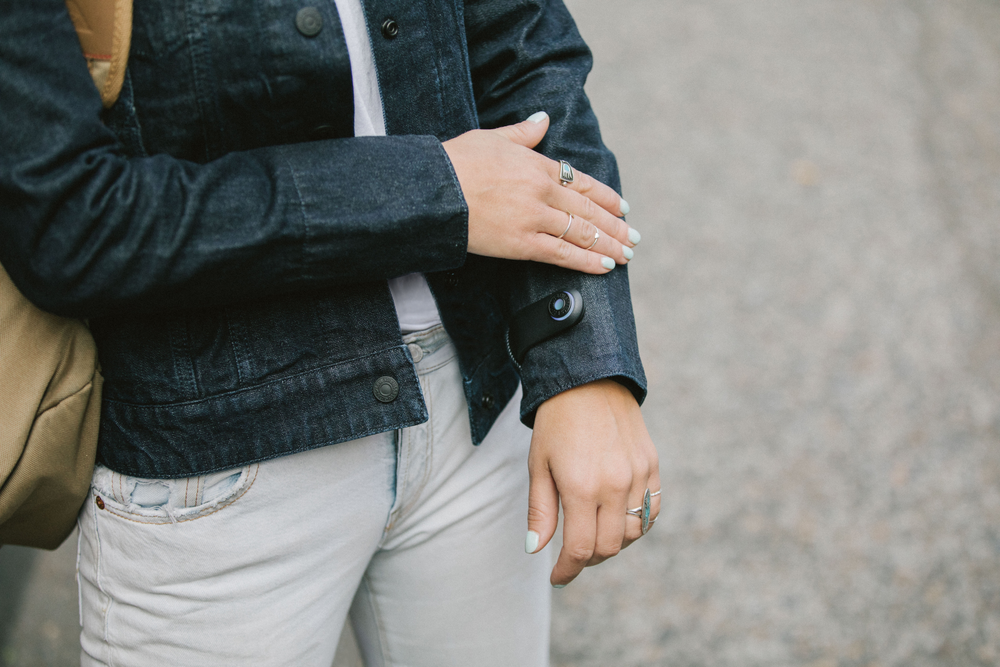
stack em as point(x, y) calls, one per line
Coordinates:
point(105, 31)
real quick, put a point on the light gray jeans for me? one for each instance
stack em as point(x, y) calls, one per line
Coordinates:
point(416, 533)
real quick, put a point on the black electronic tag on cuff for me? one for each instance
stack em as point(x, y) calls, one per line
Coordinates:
point(542, 320)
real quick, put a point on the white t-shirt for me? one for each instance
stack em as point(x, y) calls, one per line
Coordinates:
point(415, 306)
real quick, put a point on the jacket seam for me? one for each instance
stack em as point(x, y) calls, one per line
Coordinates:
point(256, 387)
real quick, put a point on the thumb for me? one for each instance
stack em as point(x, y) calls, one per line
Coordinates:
point(527, 133)
point(543, 510)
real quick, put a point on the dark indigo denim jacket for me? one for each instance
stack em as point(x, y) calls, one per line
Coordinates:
point(230, 240)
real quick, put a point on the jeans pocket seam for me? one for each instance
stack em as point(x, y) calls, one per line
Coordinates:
point(162, 517)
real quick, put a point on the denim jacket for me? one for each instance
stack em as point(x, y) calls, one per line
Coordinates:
point(230, 241)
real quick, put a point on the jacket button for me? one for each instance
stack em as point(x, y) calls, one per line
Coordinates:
point(309, 21)
point(488, 401)
point(390, 29)
point(386, 389)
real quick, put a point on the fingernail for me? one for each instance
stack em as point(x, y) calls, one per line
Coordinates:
point(624, 207)
point(531, 542)
point(634, 236)
point(627, 252)
point(558, 585)
point(607, 263)
point(538, 117)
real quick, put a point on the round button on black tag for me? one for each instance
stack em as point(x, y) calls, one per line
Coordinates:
point(390, 29)
point(386, 389)
point(309, 21)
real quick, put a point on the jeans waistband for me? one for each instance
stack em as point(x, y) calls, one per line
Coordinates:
point(422, 344)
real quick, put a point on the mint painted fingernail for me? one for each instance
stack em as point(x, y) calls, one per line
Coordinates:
point(558, 585)
point(624, 207)
point(531, 542)
point(607, 263)
point(627, 252)
point(538, 117)
point(634, 236)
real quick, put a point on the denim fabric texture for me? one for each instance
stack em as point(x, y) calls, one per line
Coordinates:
point(230, 240)
point(416, 532)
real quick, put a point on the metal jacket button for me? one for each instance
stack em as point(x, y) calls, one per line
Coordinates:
point(488, 401)
point(386, 389)
point(390, 29)
point(309, 21)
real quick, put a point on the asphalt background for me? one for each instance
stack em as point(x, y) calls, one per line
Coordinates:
point(818, 299)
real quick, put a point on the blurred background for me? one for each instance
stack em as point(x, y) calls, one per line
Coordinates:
point(817, 291)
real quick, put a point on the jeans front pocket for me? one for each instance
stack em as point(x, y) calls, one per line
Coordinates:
point(165, 501)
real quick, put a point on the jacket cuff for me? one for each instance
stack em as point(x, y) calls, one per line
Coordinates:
point(417, 218)
point(602, 345)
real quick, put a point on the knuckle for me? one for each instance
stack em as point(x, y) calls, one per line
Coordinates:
point(586, 184)
point(632, 533)
point(620, 483)
point(536, 515)
point(538, 187)
point(564, 251)
point(589, 209)
point(585, 491)
point(620, 229)
point(609, 551)
point(579, 554)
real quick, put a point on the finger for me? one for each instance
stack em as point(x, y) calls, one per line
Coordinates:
point(581, 206)
point(528, 133)
point(593, 189)
point(584, 234)
point(550, 250)
point(543, 509)
point(633, 525)
point(579, 535)
point(654, 485)
point(610, 532)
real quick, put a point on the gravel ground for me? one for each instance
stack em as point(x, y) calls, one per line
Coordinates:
point(818, 188)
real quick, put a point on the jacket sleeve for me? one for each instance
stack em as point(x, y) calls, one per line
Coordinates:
point(85, 230)
point(527, 56)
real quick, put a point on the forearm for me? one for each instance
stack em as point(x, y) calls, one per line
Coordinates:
point(87, 230)
point(529, 57)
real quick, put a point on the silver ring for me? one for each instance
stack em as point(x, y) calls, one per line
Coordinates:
point(597, 235)
point(643, 512)
point(565, 173)
point(567, 226)
point(655, 493)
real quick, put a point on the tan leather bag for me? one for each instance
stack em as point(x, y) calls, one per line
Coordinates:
point(50, 383)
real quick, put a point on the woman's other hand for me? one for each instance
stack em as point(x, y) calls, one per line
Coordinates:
point(518, 207)
point(590, 450)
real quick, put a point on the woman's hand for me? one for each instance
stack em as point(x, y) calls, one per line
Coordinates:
point(590, 449)
point(518, 208)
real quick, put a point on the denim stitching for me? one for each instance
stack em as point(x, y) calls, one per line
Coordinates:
point(159, 521)
point(402, 479)
point(440, 364)
point(428, 438)
point(383, 642)
point(281, 380)
point(79, 554)
point(99, 560)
